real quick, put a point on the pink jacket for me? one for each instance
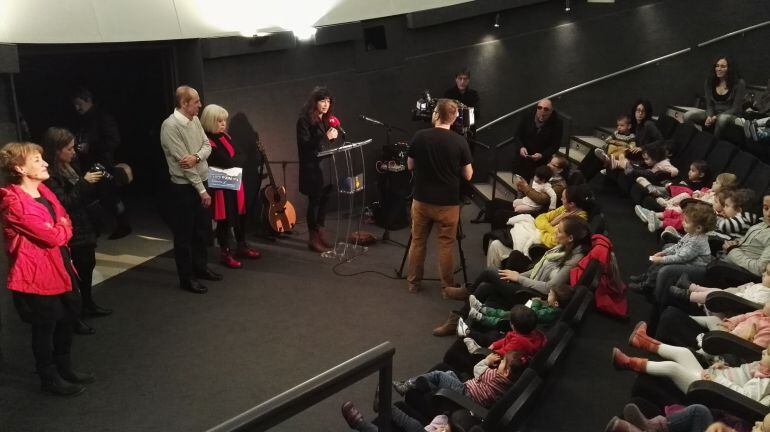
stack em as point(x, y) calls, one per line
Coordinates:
point(752, 326)
point(33, 240)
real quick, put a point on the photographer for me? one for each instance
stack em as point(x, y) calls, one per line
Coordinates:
point(439, 159)
point(75, 193)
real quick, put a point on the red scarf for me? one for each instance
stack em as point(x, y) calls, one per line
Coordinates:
point(219, 209)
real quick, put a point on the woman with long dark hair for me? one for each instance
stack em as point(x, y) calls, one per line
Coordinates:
point(723, 91)
point(75, 193)
point(313, 132)
point(642, 125)
point(41, 277)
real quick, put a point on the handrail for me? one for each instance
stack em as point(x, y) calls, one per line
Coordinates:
point(585, 84)
point(734, 33)
point(604, 77)
point(295, 400)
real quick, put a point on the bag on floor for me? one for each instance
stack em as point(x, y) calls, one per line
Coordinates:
point(610, 294)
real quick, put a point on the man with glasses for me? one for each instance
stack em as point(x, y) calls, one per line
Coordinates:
point(537, 135)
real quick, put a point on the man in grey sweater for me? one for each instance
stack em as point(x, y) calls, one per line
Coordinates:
point(186, 148)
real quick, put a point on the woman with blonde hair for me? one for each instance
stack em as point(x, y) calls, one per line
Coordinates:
point(41, 277)
point(228, 207)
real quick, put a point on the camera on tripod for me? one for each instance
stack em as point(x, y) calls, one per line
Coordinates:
point(99, 168)
point(425, 106)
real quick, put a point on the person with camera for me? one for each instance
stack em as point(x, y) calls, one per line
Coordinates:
point(187, 147)
point(439, 158)
point(538, 135)
point(97, 139)
point(76, 193)
point(463, 93)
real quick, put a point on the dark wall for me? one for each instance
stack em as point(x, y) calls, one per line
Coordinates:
point(539, 50)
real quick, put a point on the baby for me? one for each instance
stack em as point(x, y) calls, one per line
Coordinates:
point(622, 139)
point(540, 183)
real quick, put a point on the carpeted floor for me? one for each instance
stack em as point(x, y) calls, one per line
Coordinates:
point(168, 360)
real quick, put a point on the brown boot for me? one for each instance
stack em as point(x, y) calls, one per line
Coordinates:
point(323, 235)
point(624, 362)
point(449, 327)
point(454, 293)
point(314, 242)
point(639, 339)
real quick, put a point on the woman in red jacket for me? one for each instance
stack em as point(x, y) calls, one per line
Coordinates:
point(41, 276)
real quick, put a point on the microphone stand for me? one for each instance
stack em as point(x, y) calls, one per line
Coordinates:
point(388, 129)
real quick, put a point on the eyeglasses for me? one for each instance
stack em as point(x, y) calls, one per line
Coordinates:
point(539, 108)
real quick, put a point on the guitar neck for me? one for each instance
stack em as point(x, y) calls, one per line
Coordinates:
point(267, 164)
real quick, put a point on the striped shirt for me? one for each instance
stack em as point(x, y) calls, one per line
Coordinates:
point(736, 226)
point(487, 388)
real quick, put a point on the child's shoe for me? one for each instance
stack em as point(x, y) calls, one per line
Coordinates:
point(473, 315)
point(624, 362)
point(602, 156)
point(643, 182)
point(475, 303)
point(634, 415)
point(472, 345)
point(677, 293)
point(401, 387)
point(653, 223)
point(352, 415)
point(643, 214)
point(640, 339)
point(661, 201)
point(670, 235)
point(462, 329)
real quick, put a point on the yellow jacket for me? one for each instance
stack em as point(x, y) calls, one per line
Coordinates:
point(545, 224)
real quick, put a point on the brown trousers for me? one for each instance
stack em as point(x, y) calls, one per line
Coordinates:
point(423, 218)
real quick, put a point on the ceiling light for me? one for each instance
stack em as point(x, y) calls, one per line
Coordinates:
point(304, 33)
point(497, 21)
point(566, 6)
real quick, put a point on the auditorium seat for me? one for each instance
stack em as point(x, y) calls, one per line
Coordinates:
point(741, 165)
point(697, 149)
point(758, 180)
point(722, 343)
point(729, 304)
point(717, 396)
point(720, 156)
point(667, 126)
point(682, 136)
point(558, 339)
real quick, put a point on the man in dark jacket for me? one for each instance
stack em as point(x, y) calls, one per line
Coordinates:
point(537, 136)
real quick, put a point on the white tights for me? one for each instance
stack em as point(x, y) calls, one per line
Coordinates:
point(683, 369)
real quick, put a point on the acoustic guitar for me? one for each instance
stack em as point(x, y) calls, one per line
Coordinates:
point(277, 212)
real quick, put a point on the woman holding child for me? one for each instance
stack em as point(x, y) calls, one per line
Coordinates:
point(572, 240)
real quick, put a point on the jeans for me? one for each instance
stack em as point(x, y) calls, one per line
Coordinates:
point(694, 418)
point(423, 218)
point(399, 418)
point(667, 276)
point(444, 380)
point(699, 116)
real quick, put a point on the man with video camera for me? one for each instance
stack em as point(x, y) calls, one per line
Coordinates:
point(439, 158)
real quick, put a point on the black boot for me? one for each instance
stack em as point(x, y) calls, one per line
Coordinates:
point(64, 367)
point(677, 293)
point(94, 310)
point(82, 328)
point(52, 382)
point(684, 282)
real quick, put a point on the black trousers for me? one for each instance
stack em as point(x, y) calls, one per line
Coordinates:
point(316, 208)
point(223, 231)
point(191, 226)
point(50, 340)
point(84, 259)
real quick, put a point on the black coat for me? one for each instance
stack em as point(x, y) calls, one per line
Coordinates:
point(100, 131)
point(76, 199)
point(545, 141)
point(311, 138)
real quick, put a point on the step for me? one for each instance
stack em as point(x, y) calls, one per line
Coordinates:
point(580, 146)
point(677, 112)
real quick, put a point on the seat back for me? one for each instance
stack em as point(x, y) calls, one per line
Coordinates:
point(720, 156)
point(682, 136)
point(759, 179)
point(531, 385)
point(666, 125)
point(558, 338)
point(698, 148)
point(741, 165)
point(569, 311)
point(498, 410)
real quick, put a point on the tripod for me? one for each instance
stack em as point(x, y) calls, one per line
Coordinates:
point(460, 236)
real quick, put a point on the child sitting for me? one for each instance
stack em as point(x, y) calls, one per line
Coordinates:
point(492, 376)
point(523, 335)
point(692, 249)
point(697, 179)
point(540, 183)
point(672, 215)
point(547, 310)
point(732, 220)
point(752, 326)
point(622, 139)
point(656, 163)
point(756, 292)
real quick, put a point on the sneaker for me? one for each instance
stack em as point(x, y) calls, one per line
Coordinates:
point(661, 201)
point(472, 345)
point(401, 387)
point(643, 213)
point(603, 171)
point(475, 303)
point(643, 182)
point(462, 329)
point(653, 223)
point(602, 155)
point(473, 315)
point(670, 235)
point(750, 130)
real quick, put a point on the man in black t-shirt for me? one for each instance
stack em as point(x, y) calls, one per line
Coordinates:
point(439, 158)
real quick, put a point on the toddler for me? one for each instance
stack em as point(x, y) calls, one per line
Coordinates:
point(692, 249)
point(621, 139)
point(656, 163)
point(547, 310)
point(492, 376)
point(697, 178)
point(523, 336)
point(540, 183)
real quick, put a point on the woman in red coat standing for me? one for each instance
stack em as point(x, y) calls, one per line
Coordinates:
point(41, 276)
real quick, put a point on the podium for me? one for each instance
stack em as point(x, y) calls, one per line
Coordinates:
point(343, 160)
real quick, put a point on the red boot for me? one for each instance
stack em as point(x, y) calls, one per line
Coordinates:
point(244, 251)
point(624, 362)
point(227, 260)
point(640, 339)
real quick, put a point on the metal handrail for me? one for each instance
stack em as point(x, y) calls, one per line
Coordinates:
point(734, 33)
point(604, 77)
point(585, 84)
point(293, 401)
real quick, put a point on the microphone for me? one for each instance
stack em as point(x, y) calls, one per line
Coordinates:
point(335, 123)
point(371, 120)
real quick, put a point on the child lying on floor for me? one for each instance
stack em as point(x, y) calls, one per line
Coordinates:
point(547, 309)
point(755, 292)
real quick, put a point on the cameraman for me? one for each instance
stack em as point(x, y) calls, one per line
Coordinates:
point(463, 93)
point(76, 194)
point(439, 158)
